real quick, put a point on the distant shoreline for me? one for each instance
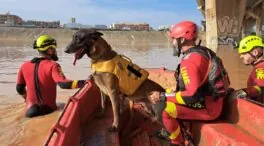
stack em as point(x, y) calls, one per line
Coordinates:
point(25, 36)
point(64, 35)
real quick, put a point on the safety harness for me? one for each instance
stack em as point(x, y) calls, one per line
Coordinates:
point(36, 79)
point(216, 72)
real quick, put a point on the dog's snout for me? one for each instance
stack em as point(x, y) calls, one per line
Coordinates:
point(66, 50)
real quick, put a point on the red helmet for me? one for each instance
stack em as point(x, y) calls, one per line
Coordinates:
point(184, 29)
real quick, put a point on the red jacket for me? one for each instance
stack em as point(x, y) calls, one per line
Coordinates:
point(49, 74)
point(255, 82)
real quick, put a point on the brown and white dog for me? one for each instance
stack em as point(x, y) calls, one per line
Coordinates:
point(91, 43)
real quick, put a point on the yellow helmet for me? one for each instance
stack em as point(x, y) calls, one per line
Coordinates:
point(250, 42)
point(44, 42)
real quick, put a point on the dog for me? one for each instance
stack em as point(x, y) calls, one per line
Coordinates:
point(91, 43)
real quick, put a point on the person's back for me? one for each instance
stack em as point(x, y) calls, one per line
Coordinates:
point(40, 77)
point(46, 81)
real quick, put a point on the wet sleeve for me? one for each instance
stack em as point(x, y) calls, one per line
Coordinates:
point(21, 84)
point(255, 83)
point(192, 80)
point(59, 77)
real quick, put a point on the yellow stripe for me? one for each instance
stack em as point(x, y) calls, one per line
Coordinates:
point(168, 90)
point(257, 88)
point(171, 109)
point(74, 84)
point(179, 98)
point(175, 134)
point(47, 47)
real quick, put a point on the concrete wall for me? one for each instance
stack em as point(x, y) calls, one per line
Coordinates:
point(17, 37)
point(228, 20)
point(27, 35)
point(223, 21)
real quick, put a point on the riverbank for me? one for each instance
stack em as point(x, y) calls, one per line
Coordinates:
point(16, 36)
point(63, 36)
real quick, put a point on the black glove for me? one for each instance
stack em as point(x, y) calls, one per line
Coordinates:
point(81, 83)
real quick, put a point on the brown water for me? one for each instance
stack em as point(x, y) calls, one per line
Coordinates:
point(15, 129)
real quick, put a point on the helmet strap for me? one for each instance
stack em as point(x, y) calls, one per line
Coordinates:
point(199, 43)
point(178, 48)
point(255, 57)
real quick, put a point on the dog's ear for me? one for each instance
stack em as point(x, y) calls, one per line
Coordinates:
point(95, 34)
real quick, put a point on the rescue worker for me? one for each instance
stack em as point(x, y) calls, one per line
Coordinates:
point(202, 84)
point(251, 52)
point(37, 79)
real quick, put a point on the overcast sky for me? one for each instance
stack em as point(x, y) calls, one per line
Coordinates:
point(154, 12)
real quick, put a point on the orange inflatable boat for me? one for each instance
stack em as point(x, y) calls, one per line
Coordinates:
point(242, 123)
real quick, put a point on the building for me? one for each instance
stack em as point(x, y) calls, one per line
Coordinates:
point(130, 26)
point(164, 27)
point(8, 19)
point(76, 26)
point(81, 26)
point(99, 26)
point(42, 24)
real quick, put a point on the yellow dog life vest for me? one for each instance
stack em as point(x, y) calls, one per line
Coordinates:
point(130, 76)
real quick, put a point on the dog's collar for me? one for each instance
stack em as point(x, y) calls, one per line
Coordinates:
point(100, 58)
point(97, 57)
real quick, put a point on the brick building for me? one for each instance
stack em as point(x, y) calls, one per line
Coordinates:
point(10, 20)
